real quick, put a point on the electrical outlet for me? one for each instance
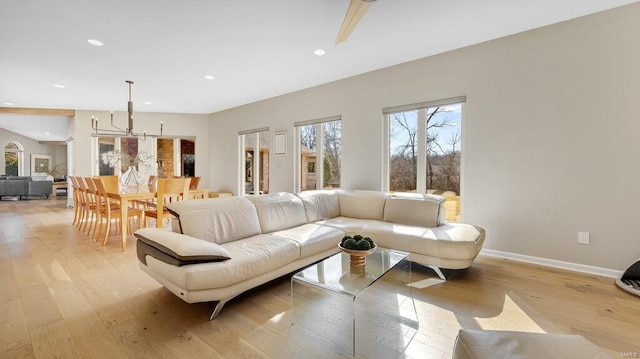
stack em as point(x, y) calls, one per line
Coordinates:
point(583, 237)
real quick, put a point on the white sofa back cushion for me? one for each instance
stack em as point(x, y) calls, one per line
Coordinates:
point(363, 204)
point(219, 220)
point(320, 204)
point(414, 209)
point(278, 211)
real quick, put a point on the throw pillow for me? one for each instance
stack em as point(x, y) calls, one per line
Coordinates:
point(185, 249)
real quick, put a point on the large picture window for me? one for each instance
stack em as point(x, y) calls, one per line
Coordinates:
point(318, 152)
point(424, 150)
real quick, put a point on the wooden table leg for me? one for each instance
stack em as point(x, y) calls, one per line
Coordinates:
point(124, 208)
point(159, 213)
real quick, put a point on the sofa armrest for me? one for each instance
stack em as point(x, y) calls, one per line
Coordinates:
point(40, 188)
point(176, 248)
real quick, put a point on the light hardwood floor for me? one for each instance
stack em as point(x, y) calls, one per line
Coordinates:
point(64, 296)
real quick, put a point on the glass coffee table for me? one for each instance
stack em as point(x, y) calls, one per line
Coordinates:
point(333, 298)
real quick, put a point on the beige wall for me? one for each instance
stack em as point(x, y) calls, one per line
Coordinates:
point(549, 134)
point(175, 125)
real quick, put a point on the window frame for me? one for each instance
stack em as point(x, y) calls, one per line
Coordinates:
point(256, 163)
point(19, 154)
point(320, 146)
point(421, 180)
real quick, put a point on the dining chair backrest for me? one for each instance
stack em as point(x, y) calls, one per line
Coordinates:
point(171, 190)
point(91, 188)
point(195, 181)
point(82, 187)
point(75, 185)
point(102, 197)
point(111, 183)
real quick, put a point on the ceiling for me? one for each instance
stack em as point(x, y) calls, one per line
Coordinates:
point(253, 49)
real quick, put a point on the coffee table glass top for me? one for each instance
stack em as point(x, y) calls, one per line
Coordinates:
point(336, 274)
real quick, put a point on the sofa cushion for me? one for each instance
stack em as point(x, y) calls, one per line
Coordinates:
point(450, 241)
point(414, 209)
point(184, 249)
point(349, 226)
point(250, 257)
point(278, 211)
point(312, 238)
point(320, 204)
point(219, 220)
point(362, 204)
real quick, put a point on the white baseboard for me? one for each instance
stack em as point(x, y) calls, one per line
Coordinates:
point(582, 268)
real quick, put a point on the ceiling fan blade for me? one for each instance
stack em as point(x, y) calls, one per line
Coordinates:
point(357, 9)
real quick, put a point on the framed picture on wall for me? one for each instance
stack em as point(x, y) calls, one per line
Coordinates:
point(40, 165)
point(280, 139)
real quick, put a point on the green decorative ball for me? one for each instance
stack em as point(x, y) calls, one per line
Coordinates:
point(363, 244)
point(344, 239)
point(369, 240)
point(357, 237)
point(350, 243)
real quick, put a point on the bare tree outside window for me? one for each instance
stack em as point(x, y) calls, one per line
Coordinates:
point(441, 133)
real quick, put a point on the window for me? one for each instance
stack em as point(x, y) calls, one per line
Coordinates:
point(176, 157)
point(424, 149)
point(13, 159)
point(255, 146)
point(105, 144)
point(126, 149)
point(318, 139)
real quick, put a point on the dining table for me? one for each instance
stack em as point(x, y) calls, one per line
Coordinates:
point(125, 195)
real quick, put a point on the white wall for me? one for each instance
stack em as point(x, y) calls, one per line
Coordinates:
point(549, 134)
point(175, 125)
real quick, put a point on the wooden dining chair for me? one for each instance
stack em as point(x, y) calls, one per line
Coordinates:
point(76, 200)
point(150, 202)
point(83, 191)
point(110, 212)
point(111, 183)
point(91, 205)
point(168, 190)
point(195, 182)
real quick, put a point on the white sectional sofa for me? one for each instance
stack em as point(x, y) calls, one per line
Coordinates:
point(221, 247)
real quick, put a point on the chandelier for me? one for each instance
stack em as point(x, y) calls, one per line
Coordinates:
point(122, 132)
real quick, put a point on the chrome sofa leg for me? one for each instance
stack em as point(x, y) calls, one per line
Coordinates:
point(217, 309)
point(438, 272)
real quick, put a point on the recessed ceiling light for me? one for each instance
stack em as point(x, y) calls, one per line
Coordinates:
point(148, 103)
point(47, 133)
point(208, 77)
point(319, 52)
point(58, 86)
point(9, 103)
point(95, 42)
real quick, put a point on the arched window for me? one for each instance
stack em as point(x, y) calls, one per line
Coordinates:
point(13, 159)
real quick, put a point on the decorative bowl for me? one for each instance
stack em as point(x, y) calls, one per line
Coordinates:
point(358, 256)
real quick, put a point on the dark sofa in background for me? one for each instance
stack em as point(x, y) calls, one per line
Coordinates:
point(23, 186)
